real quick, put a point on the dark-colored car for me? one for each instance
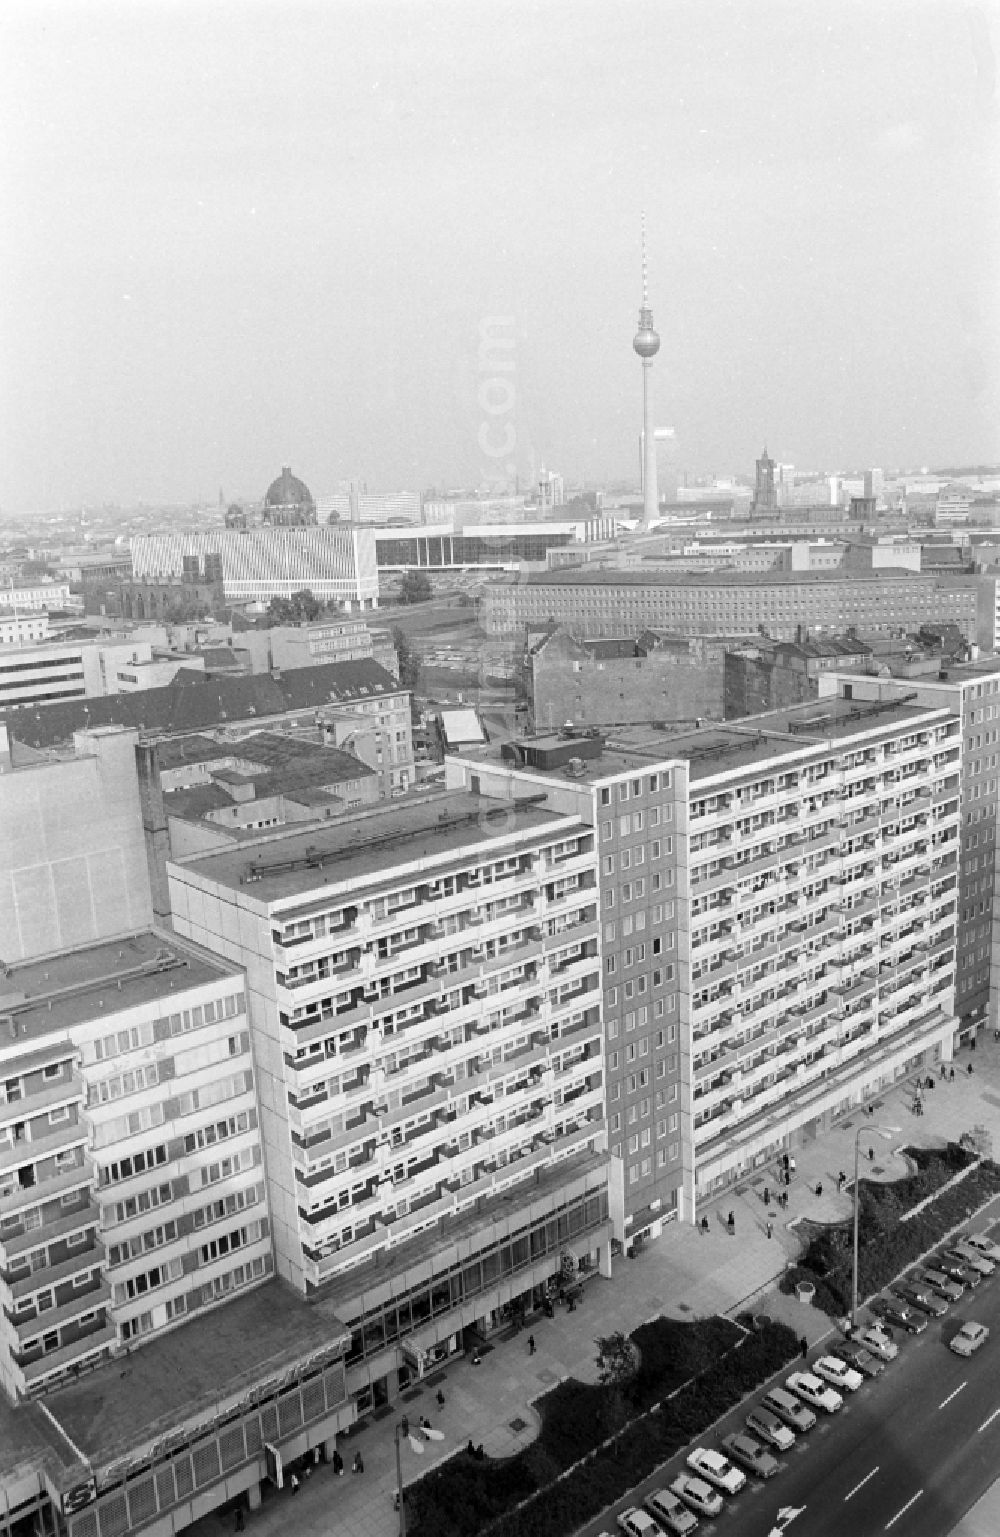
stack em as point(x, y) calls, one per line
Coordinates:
point(750, 1455)
point(919, 1297)
point(946, 1286)
point(861, 1359)
point(952, 1267)
point(898, 1314)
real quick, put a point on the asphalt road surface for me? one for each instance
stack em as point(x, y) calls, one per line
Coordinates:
point(908, 1454)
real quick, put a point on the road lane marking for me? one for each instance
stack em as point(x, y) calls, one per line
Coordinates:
point(990, 1420)
point(904, 1509)
point(952, 1395)
point(865, 1480)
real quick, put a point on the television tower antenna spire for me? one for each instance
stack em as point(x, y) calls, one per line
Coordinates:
point(646, 343)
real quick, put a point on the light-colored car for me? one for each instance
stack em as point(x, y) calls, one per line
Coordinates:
point(969, 1338)
point(968, 1254)
point(766, 1424)
point(716, 1469)
point(984, 1243)
point(814, 1391)
point(696, 1493)
point(838, 1373)
point(672, 1514)
point(636, 1523)
point(750, 1455)
point(878, 1342)
point(790, 1409)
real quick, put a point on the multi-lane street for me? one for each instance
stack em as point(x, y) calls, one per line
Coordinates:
point(908, 1453)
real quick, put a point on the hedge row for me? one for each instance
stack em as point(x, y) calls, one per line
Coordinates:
point(887, 1246)
point(466, 1497)
point(671, 1351)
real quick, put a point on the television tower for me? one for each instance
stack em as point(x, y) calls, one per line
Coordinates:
point(647, 344)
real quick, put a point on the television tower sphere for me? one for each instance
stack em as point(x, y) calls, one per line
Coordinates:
point(646, 341)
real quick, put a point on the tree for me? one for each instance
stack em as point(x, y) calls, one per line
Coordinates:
point(415, 587)
point(617, 1364)
point(300, 608)
point(409, 664)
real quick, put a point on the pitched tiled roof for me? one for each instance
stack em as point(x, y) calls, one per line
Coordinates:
point(192, 703)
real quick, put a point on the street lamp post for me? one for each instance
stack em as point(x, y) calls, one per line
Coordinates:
point(885, 1132)
point(399, 1485)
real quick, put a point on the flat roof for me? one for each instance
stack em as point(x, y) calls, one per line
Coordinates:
point(137, 1398)
point(610, 576)
point(724, 746)
point(79, 986)
point(356, 848)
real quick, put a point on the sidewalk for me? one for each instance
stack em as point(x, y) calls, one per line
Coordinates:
point(685, 1274)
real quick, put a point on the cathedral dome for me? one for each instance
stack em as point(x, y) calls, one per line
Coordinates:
point(288, 491)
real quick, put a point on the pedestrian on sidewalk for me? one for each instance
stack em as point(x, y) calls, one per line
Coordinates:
point(404, 1426)
point(731, 1223)
point(294, 1481)
point(531, 1344)
point(951, 1075)
point(770, 1229)
point(241, 1520)
point(338, 1463)
point(440, 1399)
point(359, 1464)
point(475, 1358)
point(970, 1069)
point(767, 1196)
point(803, 1347)
point(841, 1181)
point(871, 1155)
point(819, 1187)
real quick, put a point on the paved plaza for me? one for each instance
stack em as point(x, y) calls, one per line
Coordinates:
point(687, 1273)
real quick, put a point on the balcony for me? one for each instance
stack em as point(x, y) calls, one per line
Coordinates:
point(100, 1343)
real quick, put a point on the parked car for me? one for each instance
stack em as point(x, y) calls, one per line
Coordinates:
point(790, 1409)
point(898, 1314)
point(946, 1286)
point(716, 1469)
point(766, 1424)
point(952, 1267)
point(838, 1373)
point(860, 1359)
point(749, 1454)
point(919, 1298)
point(969, 1338)
point(815, 1392)
point(695, 1492)
point(968, 1254)
point(636, 1523)
point(984, 1244)
point(879, 1342)
point(672, 1514)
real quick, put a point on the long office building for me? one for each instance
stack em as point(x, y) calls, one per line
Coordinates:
point(335, 561)
point(593, 603)
point(779, 908)
point(972, 692)
point(424, 992)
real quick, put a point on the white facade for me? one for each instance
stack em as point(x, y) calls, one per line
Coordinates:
point(132, 1191)
point(53, 671)
point(426, 1021)
point(337, 563)
point(38, 599)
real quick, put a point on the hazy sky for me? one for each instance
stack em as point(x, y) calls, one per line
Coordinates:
point(237, 235)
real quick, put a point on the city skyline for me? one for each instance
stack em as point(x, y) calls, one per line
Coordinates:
point(238, 243)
